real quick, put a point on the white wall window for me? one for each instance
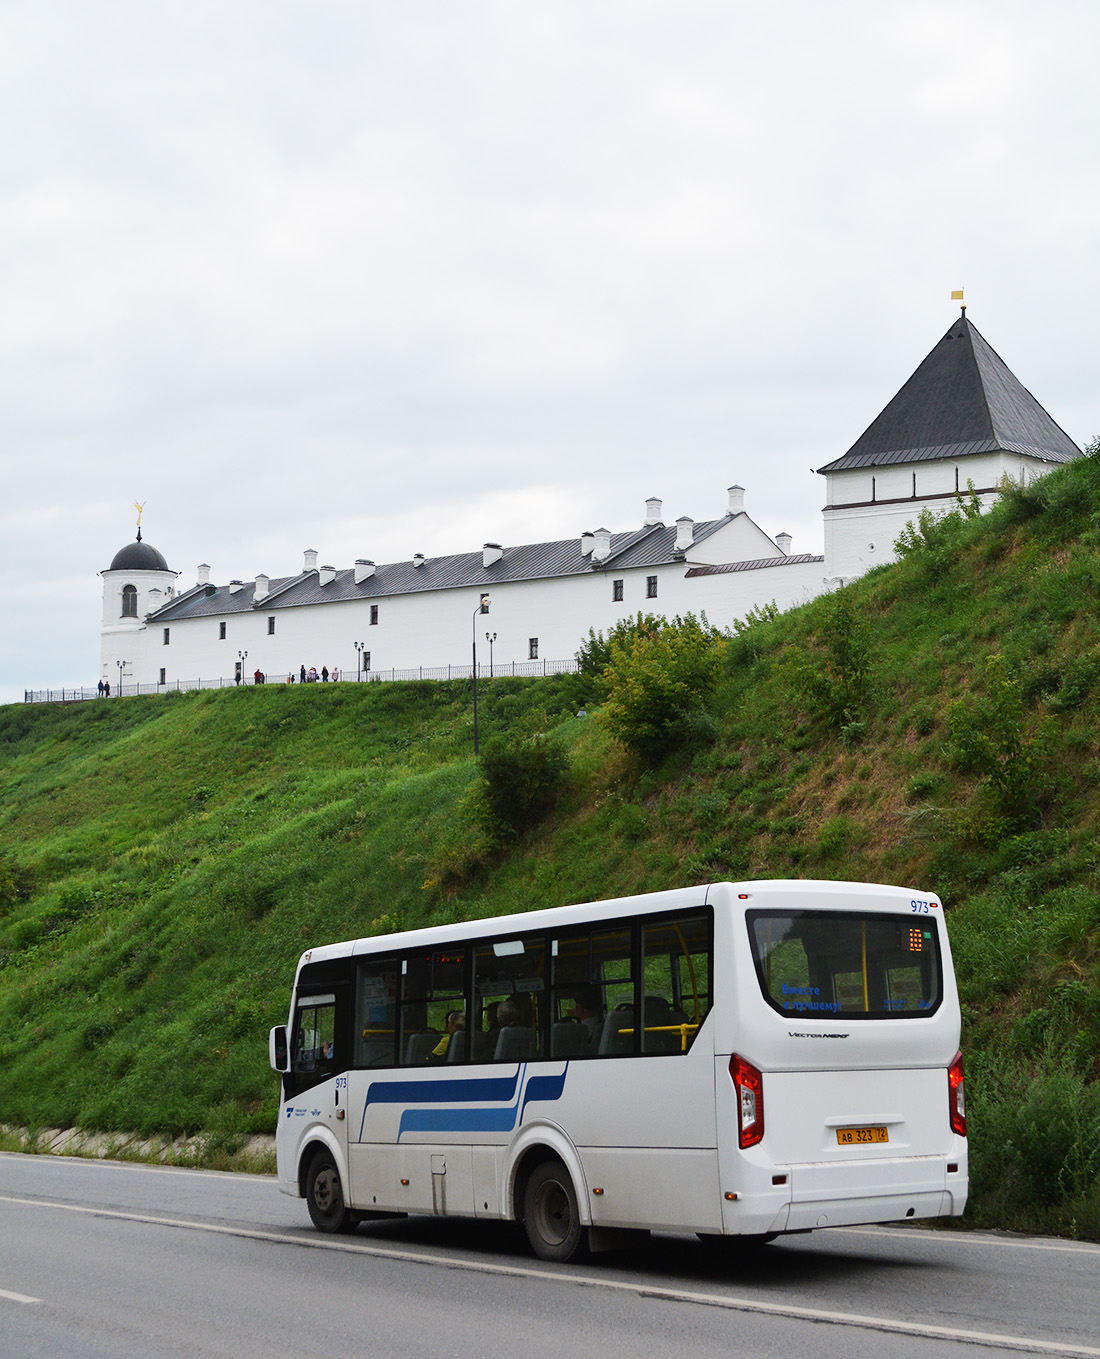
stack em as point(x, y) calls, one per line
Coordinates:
point(532, 648)
point(163, 675)
point(617, 591)
point(221, 632)
point(373, 614)
point(651, 587)
point(167, 635)
point(271, 627)
point(129, 601)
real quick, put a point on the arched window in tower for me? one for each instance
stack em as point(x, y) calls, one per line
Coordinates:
point(129, 601)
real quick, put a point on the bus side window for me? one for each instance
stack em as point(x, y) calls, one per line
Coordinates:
point(376, 1014)
point(315, 1036)
point(509, 1001)
point(433, 989)
point(675, 983)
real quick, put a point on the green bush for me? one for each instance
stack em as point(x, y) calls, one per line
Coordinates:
point(991, 738)
point(659, 680)
point(521, 782)
point(594, 653)
point(832, 680)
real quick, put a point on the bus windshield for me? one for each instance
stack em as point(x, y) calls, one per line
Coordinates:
point(853, 966)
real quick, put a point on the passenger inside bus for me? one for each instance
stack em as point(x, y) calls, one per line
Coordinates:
point(456, 1024)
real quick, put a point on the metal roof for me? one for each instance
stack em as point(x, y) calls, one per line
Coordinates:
point(962, 400)
point(652, 545)
point(760, 564)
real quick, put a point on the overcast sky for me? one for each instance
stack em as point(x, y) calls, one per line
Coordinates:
point(383, 278)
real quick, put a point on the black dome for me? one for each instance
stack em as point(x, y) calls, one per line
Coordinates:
point(138, 556)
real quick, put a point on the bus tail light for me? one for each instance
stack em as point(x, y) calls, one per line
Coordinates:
point(956, 1095)
point(749, 1084)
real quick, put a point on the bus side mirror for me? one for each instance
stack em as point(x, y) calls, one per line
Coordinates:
point(278, 1049)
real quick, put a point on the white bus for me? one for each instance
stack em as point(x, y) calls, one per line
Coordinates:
point(734, 1060)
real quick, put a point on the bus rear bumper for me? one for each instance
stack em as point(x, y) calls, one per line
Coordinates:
point(848, 1212)
point(838, 1194)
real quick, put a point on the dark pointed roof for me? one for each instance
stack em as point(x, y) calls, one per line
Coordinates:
point(138, 556)
point(963, 399)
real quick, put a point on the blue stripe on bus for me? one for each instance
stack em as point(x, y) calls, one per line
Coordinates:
point(543, 1087)
point(458, 1120)
point(446, 1090)
point(452, 1091)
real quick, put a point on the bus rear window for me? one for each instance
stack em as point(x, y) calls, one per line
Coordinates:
point(824, 963)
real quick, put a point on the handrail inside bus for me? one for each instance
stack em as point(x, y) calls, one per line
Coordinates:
point(681, 1029)
point(691, 971)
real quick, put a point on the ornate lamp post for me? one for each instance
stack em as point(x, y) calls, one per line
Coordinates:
point(490, 637)
point(242, 656)
point(483, 607)
point(360, 647)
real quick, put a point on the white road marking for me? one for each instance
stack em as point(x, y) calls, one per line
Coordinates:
point(16, 1297)
point(974, 1239)
point(313, 1241)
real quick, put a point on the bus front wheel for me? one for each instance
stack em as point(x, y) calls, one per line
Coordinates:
point(550, 1215)
point(325, 1196)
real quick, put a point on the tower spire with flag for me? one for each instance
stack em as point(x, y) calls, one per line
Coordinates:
point(957, 296)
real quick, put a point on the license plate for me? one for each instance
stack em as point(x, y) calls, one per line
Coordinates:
point(851, 1137)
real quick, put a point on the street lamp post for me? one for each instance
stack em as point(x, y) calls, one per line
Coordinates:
point(359, 649)
point(483, 607)
point(242, 657)
point(490, 637)
point(121, 671)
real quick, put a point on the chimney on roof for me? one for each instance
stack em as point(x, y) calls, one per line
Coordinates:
point(418, 559)
point(685, 534)
point(236, 586)
point(601, 548)
point(490, 553)
point(652, 511)
point(587, 542)
point(363, 570)
point(783, 542)
point(326, 575)
point(737, 500)
point(203, 574)
point(261, 588)
point(310, 560)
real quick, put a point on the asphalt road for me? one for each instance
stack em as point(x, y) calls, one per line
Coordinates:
point(103, 1259)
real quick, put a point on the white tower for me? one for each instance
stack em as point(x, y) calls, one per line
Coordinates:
point(137, 582)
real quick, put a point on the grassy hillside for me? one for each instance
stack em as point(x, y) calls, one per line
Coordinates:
point(163, 861)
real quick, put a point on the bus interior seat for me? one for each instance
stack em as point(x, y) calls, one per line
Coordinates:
point(484, 1044)
point(515, 1044)
point(456, 1048)
point(614, 1043)
point(658, 1014)
point(419, 1047)
point(568, 1039)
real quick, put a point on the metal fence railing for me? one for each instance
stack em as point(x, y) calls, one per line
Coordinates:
point(505, 670)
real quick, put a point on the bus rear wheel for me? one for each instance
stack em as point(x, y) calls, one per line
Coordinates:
point(550, 1215)
point(325, 1196)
